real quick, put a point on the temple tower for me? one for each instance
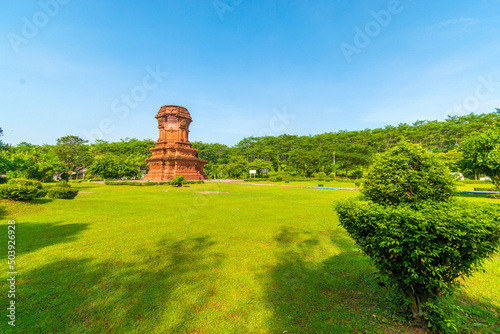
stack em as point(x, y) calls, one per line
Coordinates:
point(173, 154)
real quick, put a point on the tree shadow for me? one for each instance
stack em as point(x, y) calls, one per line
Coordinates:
point(475, 316)
point(34, 236)
point(342, 294)
point(336, 295)
point(41, 200)
point(460, 195)
point(164, 293)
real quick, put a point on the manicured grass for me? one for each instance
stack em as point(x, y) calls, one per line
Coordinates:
point(242, 259)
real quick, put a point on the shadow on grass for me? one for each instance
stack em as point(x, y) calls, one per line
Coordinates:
point(164, 293)
point(34, 236)
point(3, 212)
point(342, 295)
point(326, 297)
point(41, 200)
point(459, 195)
point(476, 317)
point(333, 296)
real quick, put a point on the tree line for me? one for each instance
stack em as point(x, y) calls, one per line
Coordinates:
point(345, 153)
point(342, 153)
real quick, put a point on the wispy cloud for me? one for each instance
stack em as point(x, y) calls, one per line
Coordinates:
point(463, 21)
point(460, 21)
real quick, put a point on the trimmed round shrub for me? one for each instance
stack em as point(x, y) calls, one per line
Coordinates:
point(417, 235)
point(63, 184)
point(407, 174)
point(423, 251)
point(62, 193)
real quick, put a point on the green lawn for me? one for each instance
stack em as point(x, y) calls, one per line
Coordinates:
point(247, 259)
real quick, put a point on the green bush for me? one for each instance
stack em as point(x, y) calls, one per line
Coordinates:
point(494, 196)
point(63, 184)
point(64, 176)
point(321, 185)
point(19, 192)
point(3, 180)
point(484, 189)
point(407, 174)
point(357, 174)
point(474, 182)
point(148, 184)
point(423, 251)
point(26, 183)
point(413, 230)
point(63, 192)
point(321, 176)
point(178, 181)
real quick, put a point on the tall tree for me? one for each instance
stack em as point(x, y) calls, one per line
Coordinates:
point(482, 153)
point(73, 151)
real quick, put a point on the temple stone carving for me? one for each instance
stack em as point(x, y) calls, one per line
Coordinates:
point(173, 155)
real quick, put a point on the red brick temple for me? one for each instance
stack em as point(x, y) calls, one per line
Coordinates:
point(173, 155)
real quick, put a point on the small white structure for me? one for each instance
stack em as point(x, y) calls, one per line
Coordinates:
point(254, 172)
point(458, 176)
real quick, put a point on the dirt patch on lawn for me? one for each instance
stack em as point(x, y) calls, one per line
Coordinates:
point(213, 192)
point(87, 192)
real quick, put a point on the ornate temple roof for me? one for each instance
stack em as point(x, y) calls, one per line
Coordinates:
point(173, 110)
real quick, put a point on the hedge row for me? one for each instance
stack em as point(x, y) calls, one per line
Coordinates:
point(473, 182)
point(279, 179)
point(24, 190)
point(147, 184)
point(485, 189)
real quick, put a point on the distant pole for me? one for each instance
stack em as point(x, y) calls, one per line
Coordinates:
point(334, 157)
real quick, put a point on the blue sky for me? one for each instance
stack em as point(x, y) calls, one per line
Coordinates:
point(102, 69)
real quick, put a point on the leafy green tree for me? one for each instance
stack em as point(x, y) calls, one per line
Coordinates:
point(30, 161)
point(259, 165)
point(481, 153)
point(105, 166)
point(238, 166)
point(109, 166)
point(72, 151)
point(420, 238)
